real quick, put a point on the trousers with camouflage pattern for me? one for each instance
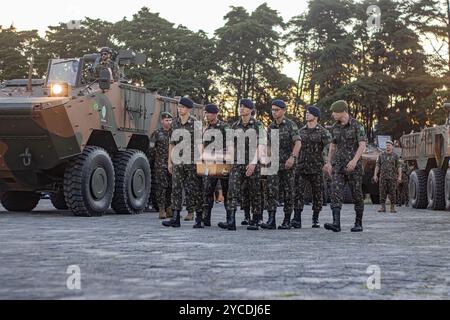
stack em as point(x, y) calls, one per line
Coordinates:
point(236, 180)
point(317, 188)
point(185, 177)
point(281, 183)
point(209, 187)
point(354, 179)
point(163, 192)
point(388, 187)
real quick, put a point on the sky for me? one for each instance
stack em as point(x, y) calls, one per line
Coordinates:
point(206, 15)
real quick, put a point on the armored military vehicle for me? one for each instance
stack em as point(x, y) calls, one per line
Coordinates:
point(81, 138)
point(428, 153)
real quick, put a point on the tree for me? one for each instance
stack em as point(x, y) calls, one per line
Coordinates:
point(16, 48)
point(251, 52)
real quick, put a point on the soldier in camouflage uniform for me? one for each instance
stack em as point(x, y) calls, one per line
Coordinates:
point(107, 63)
point(388, 166)
point(159, 147)
point(249, 170)
point(315, 139)
point(184, 172)
point(210, 183)
point(344, 164)
point(283, 181)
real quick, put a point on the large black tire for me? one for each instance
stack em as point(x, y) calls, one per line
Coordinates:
point(447, 190)
point(418, 189)
point(375, 198)
point(436, 189)
point(348, 196)
point(133, 181)
point(89, 183)
point(20, 201)
point(58, 200)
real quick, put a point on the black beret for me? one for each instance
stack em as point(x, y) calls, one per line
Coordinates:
point(314, 111)
point(186, 102)
point(279, 104)
point(212, 108)
point(247, 103)
point(166, 114)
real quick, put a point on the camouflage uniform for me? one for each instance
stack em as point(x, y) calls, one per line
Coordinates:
point(210, 183)
point(185, 175)
point(159, 146)
point(347, 138)
point(283, 181)
point(237, 175)
point(310, 165)
point(388, 164)
point(108, 64)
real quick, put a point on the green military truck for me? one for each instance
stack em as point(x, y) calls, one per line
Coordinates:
point(428, 153)
point(82, 139)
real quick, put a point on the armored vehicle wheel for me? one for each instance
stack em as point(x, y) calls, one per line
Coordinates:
point(20, 201)
point(435, 189)
point(375, 198)
point(447, 190)
point(418, 189)
point(132, 182)
point(58, 200)
point(89, 183)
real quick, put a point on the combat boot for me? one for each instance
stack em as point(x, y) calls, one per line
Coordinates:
point(224, 225)
point(383, 208)
point(162, 214)
point(207, 218)
point(174, 221)
point(259, 219)
point(232, 223)
point(169, 213)
point(198, 220)
point(315, 220)
point(286, 225)
point(189, 217)
point(254, 223)
point(246, 220)
point(297, 221)
point(336, 225)
point(271, 223)
point(358, 223)
point(393, 208)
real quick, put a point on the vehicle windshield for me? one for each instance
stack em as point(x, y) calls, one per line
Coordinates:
point(64, 70)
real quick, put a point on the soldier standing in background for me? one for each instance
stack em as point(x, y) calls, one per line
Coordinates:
point(106, 62)
point(245, 195)
point(159, 147)
point(249, 170)
point(315, 139)
point(344, 164)
point(184, 174)
point(388, 166)
point(210, 183)
point(283, 181)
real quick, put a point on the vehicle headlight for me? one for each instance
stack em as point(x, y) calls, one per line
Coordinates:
point(59, 90)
